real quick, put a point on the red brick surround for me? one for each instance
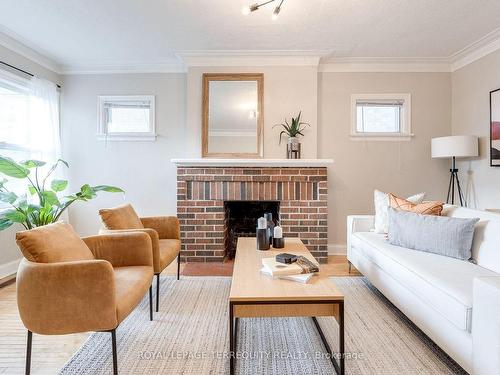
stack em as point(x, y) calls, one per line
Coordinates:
point(201, 192)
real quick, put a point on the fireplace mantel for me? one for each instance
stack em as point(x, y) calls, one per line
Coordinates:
point(294, 163)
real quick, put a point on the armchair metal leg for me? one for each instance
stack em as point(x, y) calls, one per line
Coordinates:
point(151, 302)
point(350, 265)
point(113, 346)
point(28, 353)
point(178, 265)
point(157, 292)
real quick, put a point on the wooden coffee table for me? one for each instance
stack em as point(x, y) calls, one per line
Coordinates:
point(256, 295)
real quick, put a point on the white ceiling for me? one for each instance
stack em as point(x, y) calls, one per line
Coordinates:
point(79, 32)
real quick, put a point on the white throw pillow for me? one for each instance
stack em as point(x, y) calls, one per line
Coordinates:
point(381, 201)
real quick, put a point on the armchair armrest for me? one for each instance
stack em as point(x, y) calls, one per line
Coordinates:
point(123, 248)
point(66, 297)
point(486, 325)
point(167, 226)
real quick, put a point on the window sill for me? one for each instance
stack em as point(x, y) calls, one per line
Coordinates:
point(381, 137)
point(126, 138)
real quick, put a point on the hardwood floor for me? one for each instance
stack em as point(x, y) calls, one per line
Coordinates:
point(50, 353)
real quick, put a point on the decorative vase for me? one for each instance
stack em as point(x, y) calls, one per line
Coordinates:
point(270, 227)
point(293, 148)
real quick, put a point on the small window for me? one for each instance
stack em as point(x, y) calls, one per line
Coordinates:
point(127, 118)
point(381, 116)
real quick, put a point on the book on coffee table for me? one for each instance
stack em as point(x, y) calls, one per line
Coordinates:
point(302, 265)
point(301, 278)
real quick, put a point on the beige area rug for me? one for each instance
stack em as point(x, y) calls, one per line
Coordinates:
point(190, 336)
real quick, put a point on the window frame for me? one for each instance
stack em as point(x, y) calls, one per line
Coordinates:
point(404, 134)
point(102, 133)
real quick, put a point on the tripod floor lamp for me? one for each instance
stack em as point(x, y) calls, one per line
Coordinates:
point(457, 146)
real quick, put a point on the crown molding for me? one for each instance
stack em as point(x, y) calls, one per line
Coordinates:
point(120, 67)
point(251, 57)
point(476, 50)
point(385, 64)
point(17, 44)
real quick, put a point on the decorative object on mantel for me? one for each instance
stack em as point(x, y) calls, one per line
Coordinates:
point(252, 8)
point(293, 130)
point(233, 115)
point(47, 207)
point(495, 128)
point(457, 146)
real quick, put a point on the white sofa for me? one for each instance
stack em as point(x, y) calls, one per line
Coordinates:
point(456, 303)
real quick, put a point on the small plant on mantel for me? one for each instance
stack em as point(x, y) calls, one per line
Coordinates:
point(293, 130)
point(44, 206)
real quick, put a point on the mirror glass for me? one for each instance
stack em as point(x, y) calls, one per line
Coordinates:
point(232, 118)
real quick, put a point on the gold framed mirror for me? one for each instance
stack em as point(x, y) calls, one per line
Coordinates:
point(233, 113)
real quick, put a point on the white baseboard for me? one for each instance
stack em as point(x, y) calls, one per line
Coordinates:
point(337, 249)
point(10, 268)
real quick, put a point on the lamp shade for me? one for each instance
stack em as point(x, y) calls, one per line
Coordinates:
point(459, 146)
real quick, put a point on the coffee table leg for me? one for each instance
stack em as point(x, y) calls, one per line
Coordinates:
point(339, 368)
point(231, 339)
point(341, 338)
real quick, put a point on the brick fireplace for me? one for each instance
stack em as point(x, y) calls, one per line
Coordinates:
point(203, 193)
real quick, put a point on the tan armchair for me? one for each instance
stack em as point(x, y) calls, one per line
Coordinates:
point(68, 285)
point(164, 232)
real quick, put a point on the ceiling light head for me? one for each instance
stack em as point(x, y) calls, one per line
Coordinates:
point(276, 13)
point(249, 9)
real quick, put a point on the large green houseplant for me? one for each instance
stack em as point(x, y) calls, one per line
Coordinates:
point(45, 205)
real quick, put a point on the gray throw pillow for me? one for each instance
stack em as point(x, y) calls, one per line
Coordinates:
point(448, 236)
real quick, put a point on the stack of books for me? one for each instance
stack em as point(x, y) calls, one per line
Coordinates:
point(300, 271)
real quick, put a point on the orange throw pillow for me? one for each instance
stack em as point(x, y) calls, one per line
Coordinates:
point(425, 208)
point(121, 217)
point(57, 242)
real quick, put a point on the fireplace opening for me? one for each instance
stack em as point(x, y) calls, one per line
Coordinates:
point(241, 220)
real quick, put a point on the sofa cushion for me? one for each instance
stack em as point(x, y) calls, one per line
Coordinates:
point(121, 217)
point(485, 246)
point(169, 249)
point(131, 285)
point(381, 203)
point(424, 208)
point(57, 242)
point(445, 284)
point(443, 235)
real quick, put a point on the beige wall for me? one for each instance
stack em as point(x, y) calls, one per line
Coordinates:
point(142, 169)
point(9, 252)
point(287, 90)
point(360, 167)
point(471, 86)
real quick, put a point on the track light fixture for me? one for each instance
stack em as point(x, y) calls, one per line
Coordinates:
point(252, 8)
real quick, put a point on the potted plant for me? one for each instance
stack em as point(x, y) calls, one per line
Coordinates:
point(44, 206)
point(293, 130)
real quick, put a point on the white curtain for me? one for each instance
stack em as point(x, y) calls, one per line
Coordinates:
point(44, 132)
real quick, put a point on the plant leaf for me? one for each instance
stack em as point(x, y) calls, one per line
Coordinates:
point(59, 185)
point(15, 216)
point(32, 189)
point(10, 168)
point(8, 197)
point(5, 223)
point(32, 163)
point(50, 198)
point(108, 188)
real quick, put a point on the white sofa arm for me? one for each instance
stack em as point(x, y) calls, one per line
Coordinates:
point(486, 326)
point(358, 223)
